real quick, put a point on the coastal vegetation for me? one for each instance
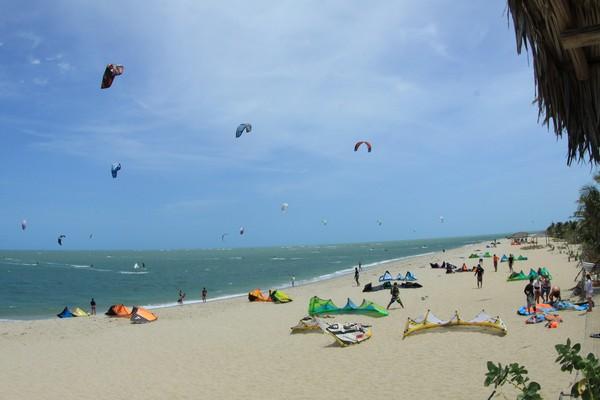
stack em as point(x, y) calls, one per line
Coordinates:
point(586, 386)
point(585, 227)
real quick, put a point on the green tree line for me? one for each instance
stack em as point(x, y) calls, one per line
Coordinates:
point(584, 228)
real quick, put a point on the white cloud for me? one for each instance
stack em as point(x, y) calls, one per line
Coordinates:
point(35, 61)
point(33, 38)
point(40, 81)
point(64, 66)
point(55, 57)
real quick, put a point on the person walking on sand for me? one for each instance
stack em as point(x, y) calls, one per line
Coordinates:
point(479, 274)
point(93, 306)
point(356, 276)
point(495, 263)
point(589, 292)
point(181, 296)
point(511, 260)
point(395, 292)
point(530, 296)
point(204, 293)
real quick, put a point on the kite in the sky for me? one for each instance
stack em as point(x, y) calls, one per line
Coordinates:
point(379, 222)
point(242, 230)
point(243, 128)
point(24, 224)
point(284, 207)
point(116, 167)
point(223, 236)
point(358, 144)
point(324, 222)
point(60, 239)
point(442, 220)
point(111, 71)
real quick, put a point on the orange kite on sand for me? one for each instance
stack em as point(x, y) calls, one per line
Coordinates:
point(118, 310)
point(140, 315)
point(257, 295)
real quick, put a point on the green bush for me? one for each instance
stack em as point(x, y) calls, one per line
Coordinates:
point(587, 388)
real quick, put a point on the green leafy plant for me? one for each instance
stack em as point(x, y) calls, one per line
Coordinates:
point(514, 374)
point(586, 388)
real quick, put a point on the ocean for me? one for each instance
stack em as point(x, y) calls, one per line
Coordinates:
point(39, 284)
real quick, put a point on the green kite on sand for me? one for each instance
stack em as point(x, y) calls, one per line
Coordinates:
point(520, 276)
point(321, 306)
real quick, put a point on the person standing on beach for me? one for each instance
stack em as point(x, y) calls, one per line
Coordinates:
point(293, 280)
point(545, 289)
point(479, 274)
point(589, 291)
point(395, 292)
point(93, 306)
point(360, 266)
point(204, 293)
point(181, 296)
point(495, 263)
point(537, 289)
point(511, 260)
point(530, 296)
point(356, 276)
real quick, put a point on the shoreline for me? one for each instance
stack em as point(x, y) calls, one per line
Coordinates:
point(204, 348)
point(299, 283)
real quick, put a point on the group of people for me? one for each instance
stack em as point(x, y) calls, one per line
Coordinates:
point(204, 293)
point(537, 289)
point(540, 289)
point(394, 291)
point(479, 269)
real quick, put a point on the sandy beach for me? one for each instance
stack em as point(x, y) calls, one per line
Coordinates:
point(237, 349)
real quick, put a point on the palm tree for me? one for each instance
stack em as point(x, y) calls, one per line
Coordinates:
point(588, 214)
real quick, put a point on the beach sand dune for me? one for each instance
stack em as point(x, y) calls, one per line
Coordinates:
point(236, 349)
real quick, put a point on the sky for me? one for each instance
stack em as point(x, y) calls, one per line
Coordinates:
point(436, 87)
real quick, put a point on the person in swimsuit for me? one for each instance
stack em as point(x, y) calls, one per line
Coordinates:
point(530, 296)
point(537, 289)
point(546, 289)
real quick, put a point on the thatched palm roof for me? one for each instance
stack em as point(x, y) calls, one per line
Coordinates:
point(563, 37)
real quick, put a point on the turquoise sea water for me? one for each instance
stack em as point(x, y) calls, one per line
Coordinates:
point(38, 284)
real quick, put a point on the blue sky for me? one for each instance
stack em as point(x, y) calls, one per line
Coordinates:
point(435, 86)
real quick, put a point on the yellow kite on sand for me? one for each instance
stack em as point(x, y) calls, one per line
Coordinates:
point(78, 312)
point(482, 320)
